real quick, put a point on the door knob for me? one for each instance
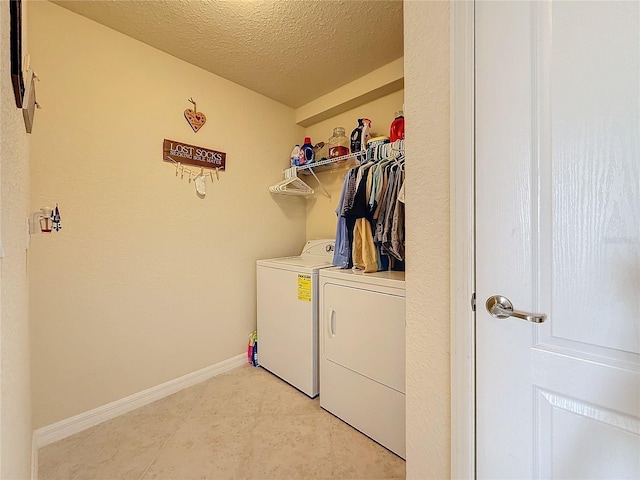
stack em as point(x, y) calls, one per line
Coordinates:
point(501, 307)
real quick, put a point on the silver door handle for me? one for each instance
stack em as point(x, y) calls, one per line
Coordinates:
point(501, 307)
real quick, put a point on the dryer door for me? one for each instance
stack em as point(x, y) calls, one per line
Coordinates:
point(364, 331)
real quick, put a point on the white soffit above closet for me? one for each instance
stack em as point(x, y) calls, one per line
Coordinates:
point(293, 51)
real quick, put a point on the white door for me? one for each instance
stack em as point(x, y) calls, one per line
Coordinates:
point(558, 232)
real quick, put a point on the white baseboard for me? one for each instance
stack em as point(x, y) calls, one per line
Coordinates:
point(65, 428)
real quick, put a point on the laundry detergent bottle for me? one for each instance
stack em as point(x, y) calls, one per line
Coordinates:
point(307, 154)
point(295, 156)
point(360, 135)
point(396, 131)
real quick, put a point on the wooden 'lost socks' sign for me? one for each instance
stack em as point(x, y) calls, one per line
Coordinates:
point(192, 155)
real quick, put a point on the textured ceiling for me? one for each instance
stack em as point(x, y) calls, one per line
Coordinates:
point(293, 51)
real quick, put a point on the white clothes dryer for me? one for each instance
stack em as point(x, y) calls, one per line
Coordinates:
point(362, 352)
point(287, 308)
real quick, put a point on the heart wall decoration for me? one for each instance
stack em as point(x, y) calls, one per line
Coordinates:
point(195, 118)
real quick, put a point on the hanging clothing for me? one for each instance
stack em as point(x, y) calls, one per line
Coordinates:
point(370, 230)
point(342, 251)
point(396, 244)
point(350, 193)
point(364, 251)
point(354, 215)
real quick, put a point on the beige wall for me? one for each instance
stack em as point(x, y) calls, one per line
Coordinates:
point(15, 404)
point(321, 216)
point(146, 282)
point(426, 47)
point(129, 295)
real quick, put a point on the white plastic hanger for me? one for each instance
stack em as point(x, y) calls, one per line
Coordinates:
point(291, 185)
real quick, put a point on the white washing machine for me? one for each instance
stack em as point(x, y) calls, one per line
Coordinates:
point(287, 306)
point(362, 352)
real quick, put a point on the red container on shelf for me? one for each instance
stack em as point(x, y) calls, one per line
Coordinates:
point(396, 132)
point(338, 143)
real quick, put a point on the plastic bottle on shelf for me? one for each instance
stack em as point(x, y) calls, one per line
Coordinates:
point(360, 135)
point(307, 154)
point(396, 132)
point(295, 156)
point(338, 143)
point(366, 133)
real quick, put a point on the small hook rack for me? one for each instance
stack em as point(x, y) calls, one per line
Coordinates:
point(198, 176)
point(45, 220)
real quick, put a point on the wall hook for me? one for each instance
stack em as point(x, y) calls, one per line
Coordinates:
point(45, 220)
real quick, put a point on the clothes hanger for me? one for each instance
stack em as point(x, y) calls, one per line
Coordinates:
point(291, 185)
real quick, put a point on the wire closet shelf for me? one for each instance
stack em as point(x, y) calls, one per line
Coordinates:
point(292, 185)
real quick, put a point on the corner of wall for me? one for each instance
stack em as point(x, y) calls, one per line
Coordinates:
point(15, 388)
point(426, 29)
point(34, 457)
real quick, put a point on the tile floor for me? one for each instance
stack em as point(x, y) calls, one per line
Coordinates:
point(244, 424)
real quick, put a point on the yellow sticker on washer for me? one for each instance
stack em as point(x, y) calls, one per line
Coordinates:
point(304, 288)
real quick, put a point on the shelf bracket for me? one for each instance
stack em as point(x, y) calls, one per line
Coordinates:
point(319, 182)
